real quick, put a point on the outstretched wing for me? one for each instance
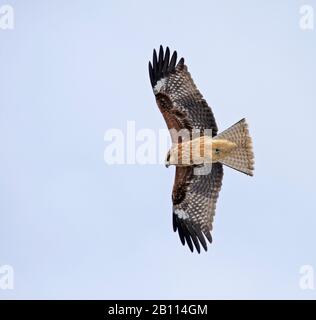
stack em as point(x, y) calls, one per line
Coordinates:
point(183, 107)
point(178, 98)
point(194, 202)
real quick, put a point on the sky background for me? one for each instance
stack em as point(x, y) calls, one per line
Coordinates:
point(73, 226)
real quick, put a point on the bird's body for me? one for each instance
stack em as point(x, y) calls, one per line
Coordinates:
point(195, 145)
point(203, 150)
point(232, 147)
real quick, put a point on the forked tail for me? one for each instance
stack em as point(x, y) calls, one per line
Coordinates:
point(242, 157)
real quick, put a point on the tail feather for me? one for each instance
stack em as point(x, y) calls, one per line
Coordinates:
point(241, 158)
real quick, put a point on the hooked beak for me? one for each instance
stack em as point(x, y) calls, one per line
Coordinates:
point(167, 161)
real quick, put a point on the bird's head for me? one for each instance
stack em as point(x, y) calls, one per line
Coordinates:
point(167, 161)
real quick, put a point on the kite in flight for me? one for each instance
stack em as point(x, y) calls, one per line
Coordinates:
point(198, 158)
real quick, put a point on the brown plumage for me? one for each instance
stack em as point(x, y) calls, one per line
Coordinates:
point(197, 185)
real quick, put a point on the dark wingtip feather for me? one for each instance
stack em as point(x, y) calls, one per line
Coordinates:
point(190, 234)
point(181, 235)
point(161, 65)
point(160, 60)
point(186, 234)
point(208, 236)
point(173, 61)
point(181, 62)
point(154, 62)
point(174, 222)
point(151, 76)
point(166, 62)
point(201, 237)
point(194, 238)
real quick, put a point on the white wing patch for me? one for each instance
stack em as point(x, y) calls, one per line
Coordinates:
point(181, 214)
point(160, 84)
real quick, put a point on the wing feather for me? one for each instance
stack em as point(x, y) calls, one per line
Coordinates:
point(194, 203)
point(183, 107)
point(166, 63)
point(178, 98)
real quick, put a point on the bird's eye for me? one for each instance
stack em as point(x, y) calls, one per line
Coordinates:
point(217, 151)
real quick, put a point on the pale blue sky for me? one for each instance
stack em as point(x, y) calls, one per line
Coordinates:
point(74, 227)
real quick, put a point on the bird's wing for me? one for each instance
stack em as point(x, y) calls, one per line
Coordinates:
point(194, 202)
point(183, 107)
point(178, 98)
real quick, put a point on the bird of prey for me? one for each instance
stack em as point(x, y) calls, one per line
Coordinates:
point(198, 158)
